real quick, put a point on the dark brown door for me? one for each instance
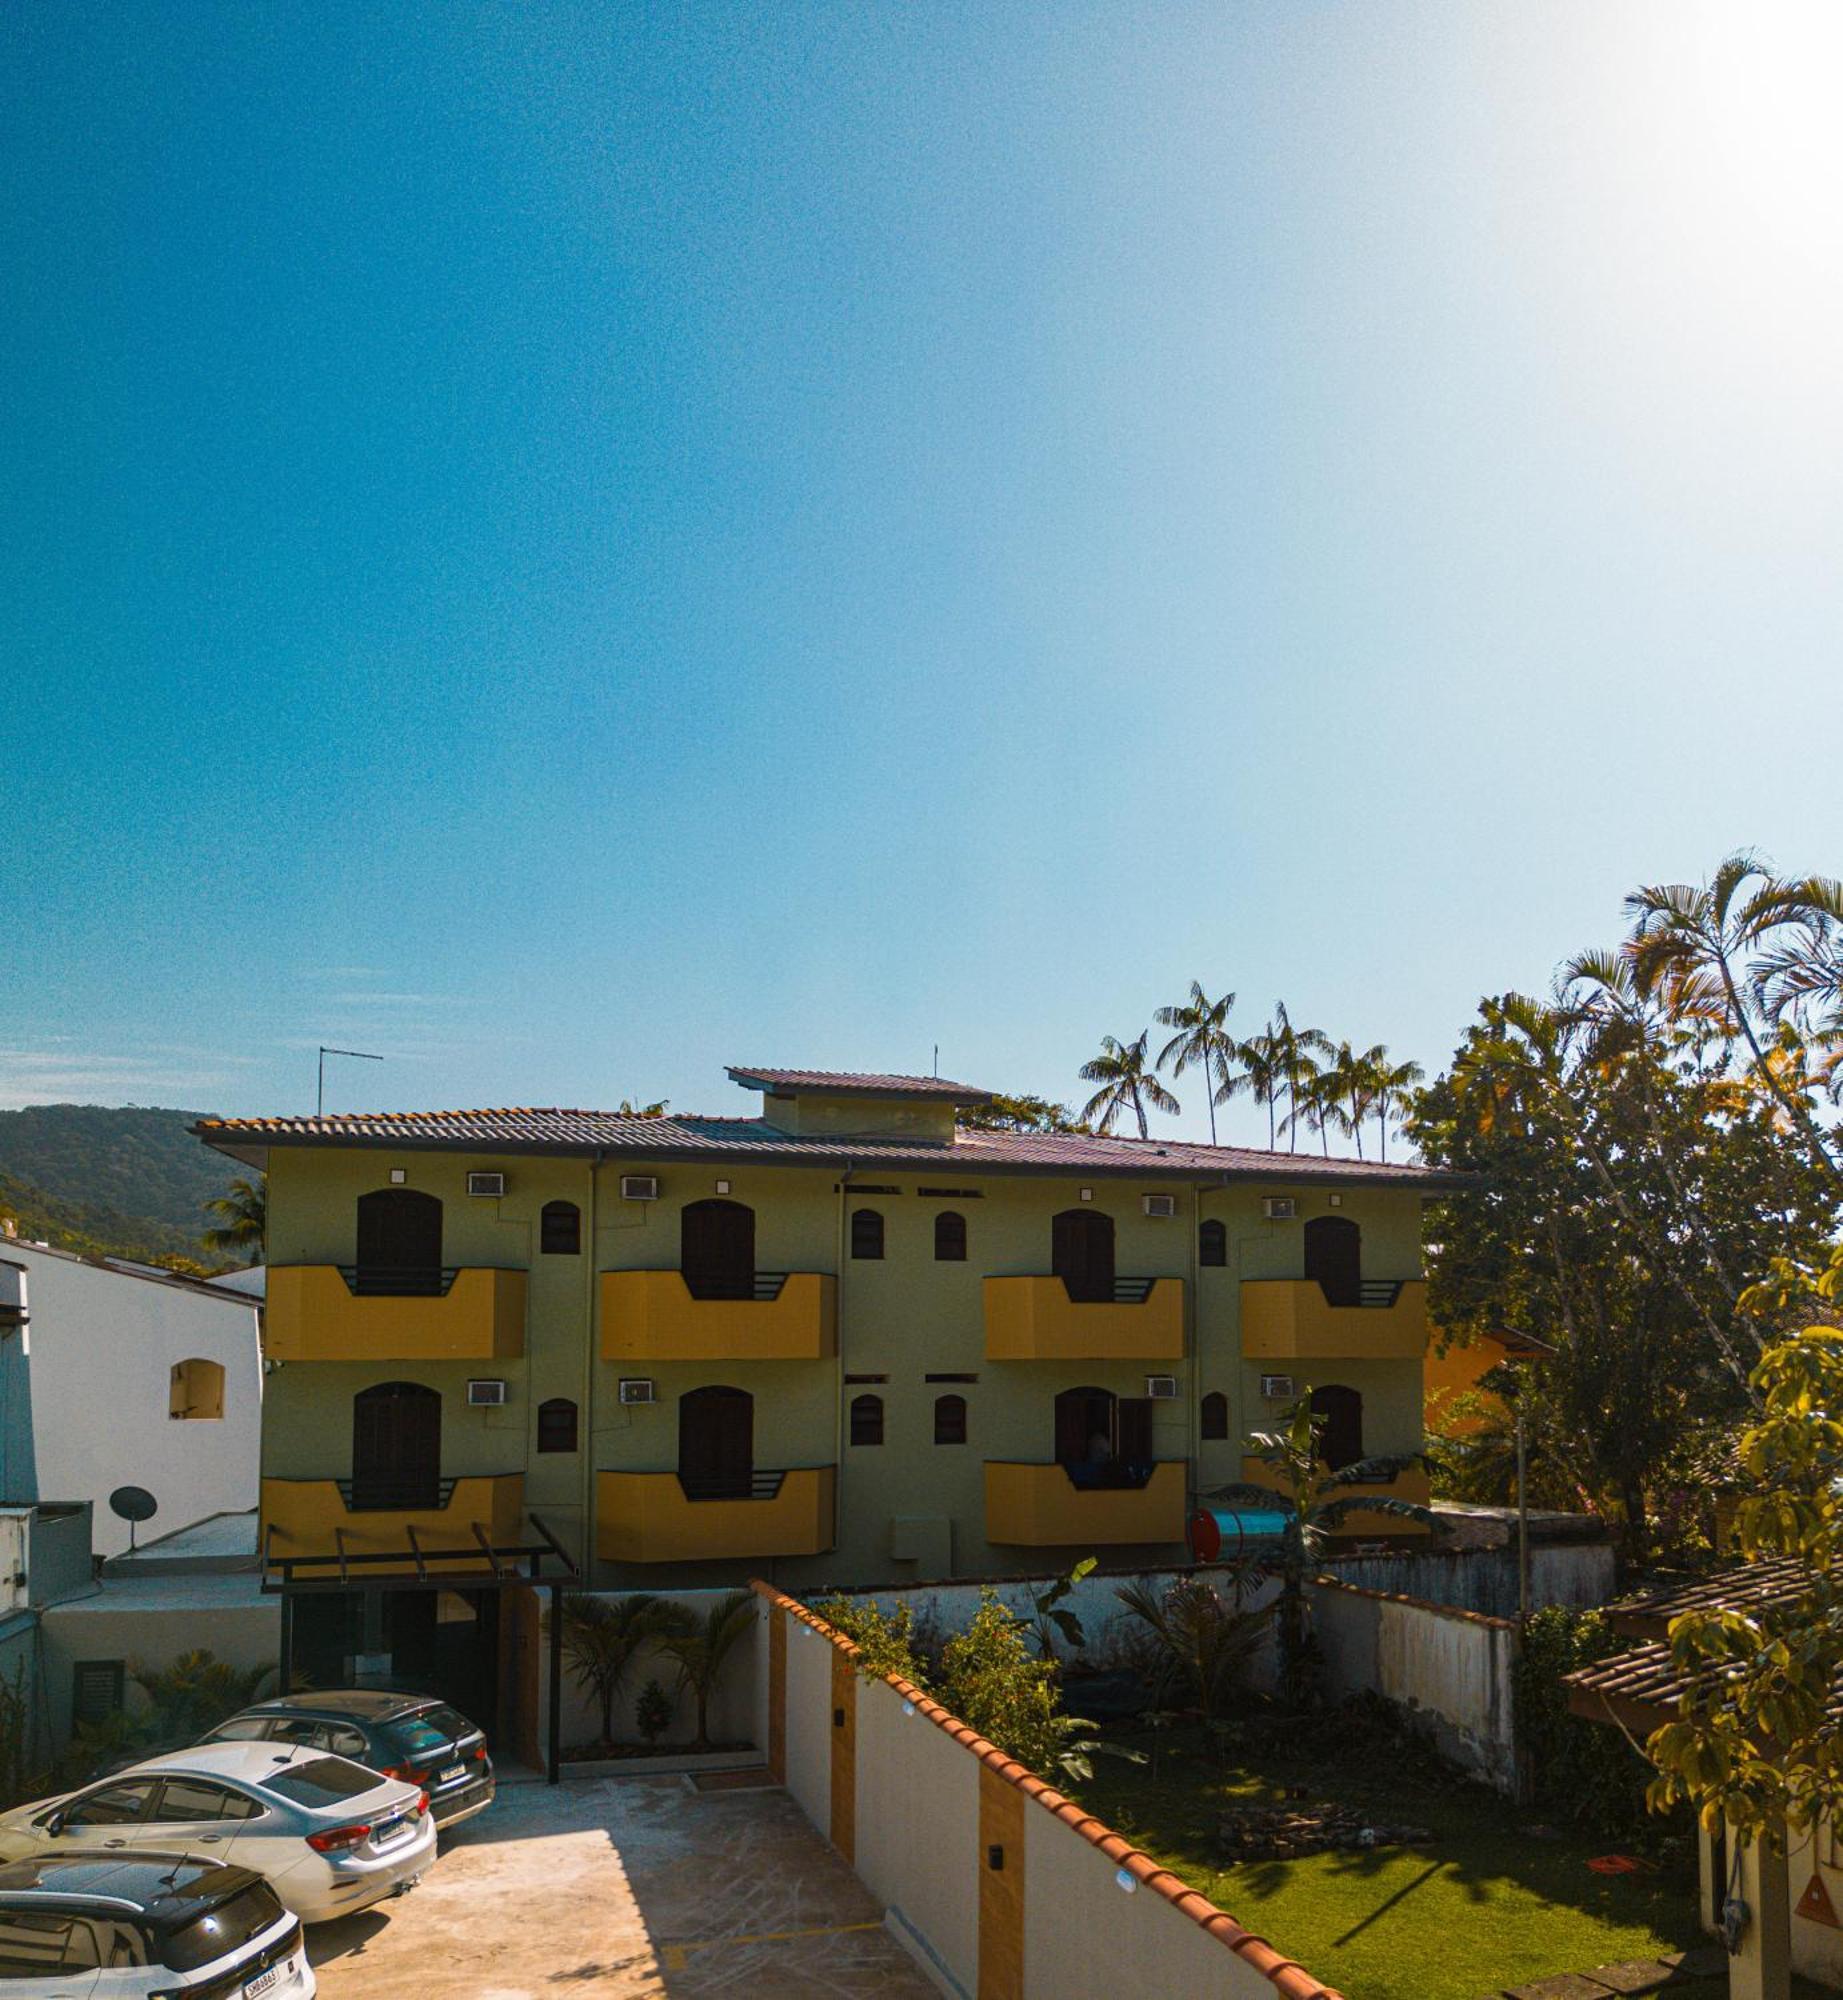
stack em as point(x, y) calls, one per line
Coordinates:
point(1084, 1417)
point(716, 1444)
point(1133, 1432)
point(1081, 1254)
point(1334, 1256)
point(396, 1446)
point(399, 1241)
point(1340, 1442)
point(716, 1249)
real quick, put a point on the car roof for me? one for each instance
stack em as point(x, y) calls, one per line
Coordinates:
point(362, 1704)
point(251, 1762)
point(145, 1882)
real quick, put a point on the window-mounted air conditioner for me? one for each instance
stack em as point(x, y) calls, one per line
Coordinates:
point(1159, 1204)
point(1280, 1208)
point(1277, 1388)
point(637, 1389)
point(487, 1393)
point(1161, 1388)
point(487, 1184)
point(639, 1187)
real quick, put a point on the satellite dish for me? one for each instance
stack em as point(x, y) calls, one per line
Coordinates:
point(133, 1504)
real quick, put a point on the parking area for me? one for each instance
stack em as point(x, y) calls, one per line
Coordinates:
point(634, 1887)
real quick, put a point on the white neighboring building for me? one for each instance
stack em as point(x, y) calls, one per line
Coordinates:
point(126, 1378)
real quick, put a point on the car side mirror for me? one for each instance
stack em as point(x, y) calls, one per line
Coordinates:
point(55, 1824)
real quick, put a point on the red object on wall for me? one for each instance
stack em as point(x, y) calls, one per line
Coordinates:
point(1815, 1903)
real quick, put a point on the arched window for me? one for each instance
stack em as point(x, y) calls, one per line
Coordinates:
point(716, 1443)
point(396, 1447)
point(560, 1229)
point(1215, 1415)
point(716, 1249)
point(1212, 1243)
point(557, 1424)
point(950, 1419)
point(1081, 1254)
point(867, 1233)
point(399, 1243)
point(196, 1388)
point(867, 1420)
point(1084, 1426)
point(1340, 1441)
point(1334, 1257)
point(950, 1237)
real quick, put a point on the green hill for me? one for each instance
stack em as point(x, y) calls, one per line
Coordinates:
point(126, 1180)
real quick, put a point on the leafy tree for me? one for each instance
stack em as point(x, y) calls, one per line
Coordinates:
point(657, 1109)
point(1393, 1085)
point(242, 1224)
point(1125, 1082)
point(993, 1680)
point(194, 1693)
point(1257, 1071)
point(1756, 1742)
point(602, 1637)
point(702, 1647)
point(885, 1639)
point(1295, 1053)
point(1317, 1501)
point(1202, 1642)
point(1020, 1113)
point(1202, 1041)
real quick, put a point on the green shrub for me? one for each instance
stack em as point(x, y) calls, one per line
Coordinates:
point(885, 1639)
point(1580, 1770)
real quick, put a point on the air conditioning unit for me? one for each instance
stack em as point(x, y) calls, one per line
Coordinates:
point(1280, 1208)
point(640, 1187)
point(487, 1184)
point(1277, 1388)
point(1159, 1204)
point(487, 1393)
point(1161, 1388)
point(637, 1389)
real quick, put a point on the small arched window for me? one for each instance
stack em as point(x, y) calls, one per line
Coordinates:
point(867, 1420)
point(1215, 1415)
point(557, 1425)
point(560, 1229)
point(950, 1237)
point(950, 1419)
point(196, 1389)
point(867, 1233)
point(1212, 1243)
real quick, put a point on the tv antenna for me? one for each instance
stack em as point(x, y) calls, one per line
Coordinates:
point(358, 1055)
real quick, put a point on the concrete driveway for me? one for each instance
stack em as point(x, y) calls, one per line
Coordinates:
point(627, 1886)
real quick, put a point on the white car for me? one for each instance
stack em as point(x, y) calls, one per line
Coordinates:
point(330, 1836)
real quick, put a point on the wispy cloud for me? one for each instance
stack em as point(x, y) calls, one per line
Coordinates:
point(64, 1074)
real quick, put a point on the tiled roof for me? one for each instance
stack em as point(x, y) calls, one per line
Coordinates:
point(521, 1129)
point(857, 1083)
point(1749, 1587)
point(1287, 1975)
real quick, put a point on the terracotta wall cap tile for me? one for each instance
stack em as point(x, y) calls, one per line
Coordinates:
point(1415, 1603)
point(1286, 1975)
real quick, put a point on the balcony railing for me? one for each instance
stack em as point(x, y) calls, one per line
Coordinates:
point(399, 1281)
point(759, 1485)
point(1294, 1319)
point(655, 1316)
point(1036, 1319)
point(382, 1496)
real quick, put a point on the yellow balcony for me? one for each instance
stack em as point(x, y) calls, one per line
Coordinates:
point(303, 1517)
point(651, 1316)
point(1034, 1319)
point(644, 1517)
point(314, 1314)
point(1039, 1506)
point(1290, 1319)
point(1408, 1484)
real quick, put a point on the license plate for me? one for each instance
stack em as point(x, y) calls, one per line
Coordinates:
point(386, 1829)
point(264, 1982)
point(453, 1772)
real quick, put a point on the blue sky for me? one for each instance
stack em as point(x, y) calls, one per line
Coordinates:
point(574, 544)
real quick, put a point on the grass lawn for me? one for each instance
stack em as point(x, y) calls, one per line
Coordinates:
point(1484, 1905)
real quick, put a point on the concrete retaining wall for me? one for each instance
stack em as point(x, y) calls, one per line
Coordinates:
point(1450, 1670)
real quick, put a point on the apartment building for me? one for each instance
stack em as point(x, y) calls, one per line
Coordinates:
point(847, 1340)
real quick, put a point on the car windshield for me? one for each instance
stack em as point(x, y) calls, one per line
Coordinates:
point(321, 1781)
point(224, 1928)
point(428, 1729)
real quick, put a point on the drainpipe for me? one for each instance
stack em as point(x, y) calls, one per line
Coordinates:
point(591, 1357)
point(1195, 1318)
point(838, 1364)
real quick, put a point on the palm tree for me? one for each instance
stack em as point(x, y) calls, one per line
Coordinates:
point(243, 1219)
point(1120, 1069)
point(1391, 1087)
point(1257, 1074)
point(1298, 1051)
point(703, 1648)
point(1317, 1502)
point(1202, 1039)
point(603, 1636)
